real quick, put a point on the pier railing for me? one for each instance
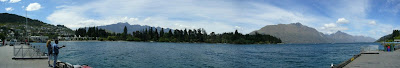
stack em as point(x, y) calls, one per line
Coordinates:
point(394, 45)
point(370, 48)
point(23, 51)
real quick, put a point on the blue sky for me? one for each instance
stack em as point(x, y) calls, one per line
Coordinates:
point(373, 18)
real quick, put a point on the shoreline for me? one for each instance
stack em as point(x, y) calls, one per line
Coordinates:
point(213, 43)
point(148, 41)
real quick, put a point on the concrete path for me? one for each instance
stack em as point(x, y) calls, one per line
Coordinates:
point(381, 60)
point(6, 61)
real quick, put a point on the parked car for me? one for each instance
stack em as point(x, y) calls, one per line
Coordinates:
point(12, 42)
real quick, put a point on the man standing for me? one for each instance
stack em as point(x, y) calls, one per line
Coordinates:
point(55, 52)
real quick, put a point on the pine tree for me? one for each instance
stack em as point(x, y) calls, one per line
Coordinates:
point(162, 32)
point(151, 33)
point(125, 33)
point(145, 35)
point(395, 33)
point(199, 35)
point(170, 33)
point(156, 36)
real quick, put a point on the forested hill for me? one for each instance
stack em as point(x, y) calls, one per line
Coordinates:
point(6, 18)
point(187, 35)
point(390, 37)
point(37, 27)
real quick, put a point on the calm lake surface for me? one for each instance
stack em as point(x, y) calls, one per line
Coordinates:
point(100, 54)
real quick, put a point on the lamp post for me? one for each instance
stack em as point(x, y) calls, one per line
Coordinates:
point(26, 28)
point(26, 24)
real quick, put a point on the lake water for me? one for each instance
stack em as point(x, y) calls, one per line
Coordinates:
point(193, 55)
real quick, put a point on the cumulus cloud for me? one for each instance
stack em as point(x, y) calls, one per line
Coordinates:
point(33, 7)
point(14, 1)
point(372, 23)
point(9, 9)
point(3, 0)
point(342, 21)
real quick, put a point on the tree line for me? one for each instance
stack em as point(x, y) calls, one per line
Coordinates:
point(395, 35)
point(186, 35)
point(391, 37)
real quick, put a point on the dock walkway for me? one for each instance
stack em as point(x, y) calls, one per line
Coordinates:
point(6, 61)
point(381, 60)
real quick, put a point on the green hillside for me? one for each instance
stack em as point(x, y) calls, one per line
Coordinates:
point(16, 24)
point(390, 37)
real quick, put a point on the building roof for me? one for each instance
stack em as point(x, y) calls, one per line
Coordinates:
point(396, 40)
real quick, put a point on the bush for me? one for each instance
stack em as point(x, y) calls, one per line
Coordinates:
point(112, 38)
point(130, 39)
point(398, 37)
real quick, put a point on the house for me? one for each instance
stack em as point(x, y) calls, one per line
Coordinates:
point(39, 38)
point(396, 40)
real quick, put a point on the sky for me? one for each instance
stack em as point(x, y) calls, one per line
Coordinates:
point(373, 18)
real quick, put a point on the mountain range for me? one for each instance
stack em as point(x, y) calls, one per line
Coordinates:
point(119, 27)
point(298, 33)
point(288, 33)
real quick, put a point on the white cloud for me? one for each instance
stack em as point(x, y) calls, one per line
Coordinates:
point(342, 21)
point(238, 27)
point(14, 1)
point(378, 30)
point(356, 12)
point(372, 23)
point(214, 16)
point(3, 0)
point(346, 9)
point(9, 9)
point(62, 6)
point(33, 7)
point(332, 27)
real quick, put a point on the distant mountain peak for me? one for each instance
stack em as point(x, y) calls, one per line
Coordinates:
point(297, 24)
point(123, 23)
point(118, 27)
point(340, 32)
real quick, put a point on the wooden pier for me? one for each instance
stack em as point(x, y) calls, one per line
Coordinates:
point(6, 61)
point(375, 59)
point(381, 60)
